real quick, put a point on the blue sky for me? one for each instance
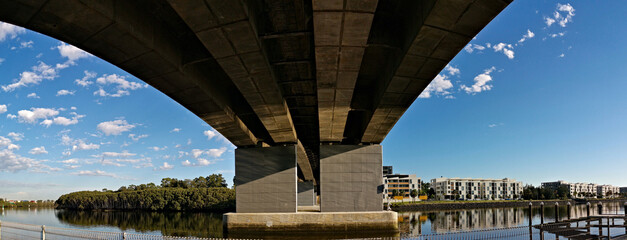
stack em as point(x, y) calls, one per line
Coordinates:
point(536, 96)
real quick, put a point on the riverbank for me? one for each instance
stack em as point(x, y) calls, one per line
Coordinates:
point(214, 199)
point(454, 205)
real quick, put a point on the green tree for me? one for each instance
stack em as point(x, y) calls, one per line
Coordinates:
point(216, 180)
point(413, 194)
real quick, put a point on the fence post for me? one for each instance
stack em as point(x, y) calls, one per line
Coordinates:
point(1, 228)
point(557, 212)
point(625, 217)
point(600, 207)
point(568, 210)
point(588, 216)
point(531, 215)
point(541, 213)
point(123, 235)
point(43, 232)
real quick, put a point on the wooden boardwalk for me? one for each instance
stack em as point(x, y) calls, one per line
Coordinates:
point(593, 227)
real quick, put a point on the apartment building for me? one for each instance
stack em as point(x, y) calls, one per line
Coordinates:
point(608, 191)
point(402, 183)
point(575, 189)
point(623, 190)
point(474, 189)
point(583, 189)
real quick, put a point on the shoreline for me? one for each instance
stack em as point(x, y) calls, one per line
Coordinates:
point(458, 205)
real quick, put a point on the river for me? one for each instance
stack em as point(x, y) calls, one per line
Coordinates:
point(210, 224)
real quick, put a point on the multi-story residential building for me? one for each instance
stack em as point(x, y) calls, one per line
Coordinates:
point(402, 183)
point(607, 191)
point(471, 189)
point(387, 170)
point(583, 189)
point(623, 190)
point(575, 189)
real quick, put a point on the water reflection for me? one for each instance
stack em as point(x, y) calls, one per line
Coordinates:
point(442, 221)
point(206, 225)
point(209, 225)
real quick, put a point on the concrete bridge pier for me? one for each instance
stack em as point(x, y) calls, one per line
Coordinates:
point(351, 193)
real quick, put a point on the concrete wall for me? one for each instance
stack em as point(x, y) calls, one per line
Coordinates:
point(265, 179)
point(351, 178)
point(306, 194)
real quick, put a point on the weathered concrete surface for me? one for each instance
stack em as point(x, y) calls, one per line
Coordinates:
point(341, 31)
point(306, 194)
point(351, 178)
point(382, 221)
point(273, 72)
point(265, 179)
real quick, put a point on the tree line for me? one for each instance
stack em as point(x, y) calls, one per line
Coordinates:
point(27, 204)
point(200, 194)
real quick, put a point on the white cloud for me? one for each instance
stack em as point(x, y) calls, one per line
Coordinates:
point(120, 93)
point(12, 162)
point(33, 115)
point(505, 48)
point(472, 47)
point(81, 145)
point(10, 31)
point(166, 166)
point(210, 134)
point(123, 154)
point(32, 95)
point(155, 148)
point(439, 86)
point(11, 116)
point(3, 108)
point(562, 19)
point(115, 127)
point(85, 80)
point(64, 92)
point(560, 34)
point(176, 130)
point(66, 140)
point(119, 81)
point(34, 77)
point(71, 53)
point(38, 150)
point(136, 138)
point(529, 35)
point(549, 21)
point(200, 162)
point(1, 60)
point(451, 70)
point(70, 161)
point(97, 173)
point(65, 121)
point(214, 152)
point(16, 136)
point(481, 82)
point(561, 55)
point(28, 44)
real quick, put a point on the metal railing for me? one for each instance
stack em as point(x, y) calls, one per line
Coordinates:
point(19, 231)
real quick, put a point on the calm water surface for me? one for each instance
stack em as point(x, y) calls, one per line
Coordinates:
point(210, 224)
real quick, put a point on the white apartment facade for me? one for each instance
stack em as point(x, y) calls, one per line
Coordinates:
point(475, 189)
point(403, 183)
point(584, 189)
point(608, 191)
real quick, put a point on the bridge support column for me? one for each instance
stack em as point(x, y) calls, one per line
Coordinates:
point(265, 179)
point(306, 194)
point(351, 178)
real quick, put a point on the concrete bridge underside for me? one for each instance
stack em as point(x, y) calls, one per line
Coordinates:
point(306, 89)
